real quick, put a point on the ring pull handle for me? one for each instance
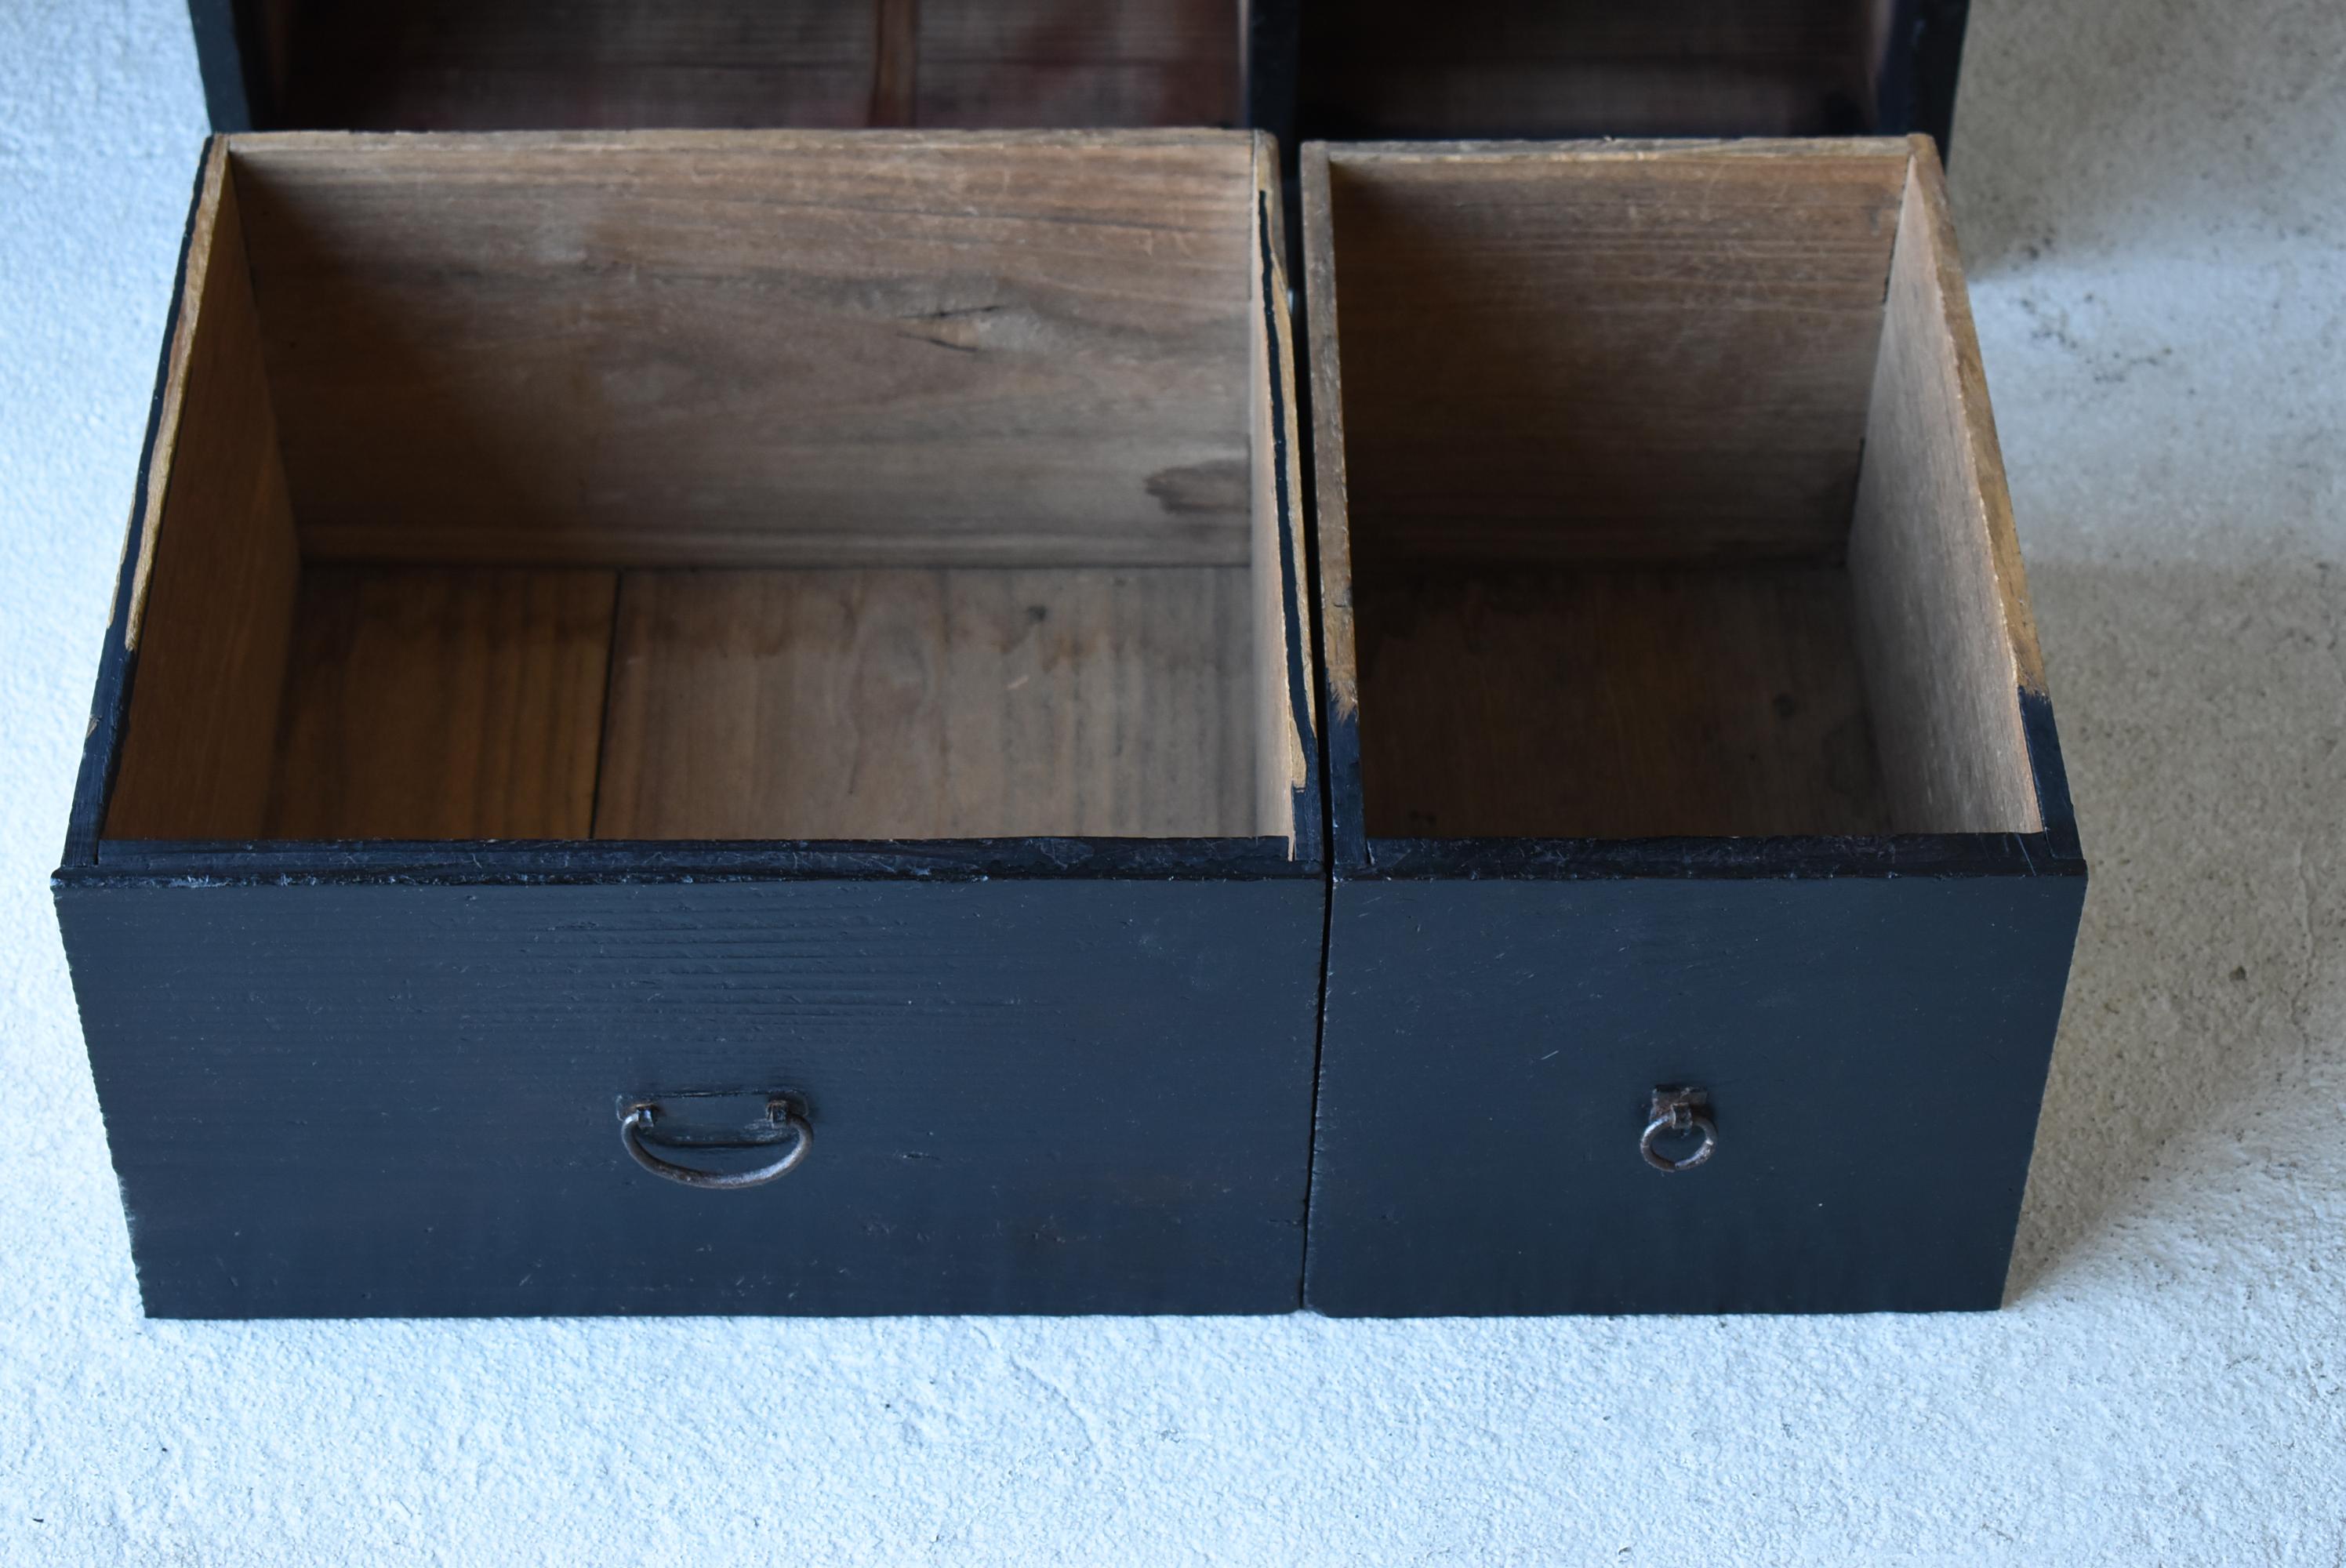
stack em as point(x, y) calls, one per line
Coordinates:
point(1677, 1109)
point(639, 1117)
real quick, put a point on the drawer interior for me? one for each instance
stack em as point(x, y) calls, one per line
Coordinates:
point(520, 65)
point(1665, 503)
point(679, 486)
point(1593, 67)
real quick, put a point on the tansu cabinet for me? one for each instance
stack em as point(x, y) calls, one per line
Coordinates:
point(646, 661)
point(1338, 68)
point(1705, 876)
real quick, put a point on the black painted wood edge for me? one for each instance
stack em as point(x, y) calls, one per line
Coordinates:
point(447, 863)
point(663, 1311)
point(2053, 806)
point(1688, 858)
point(101, 752)
point(1273, 37)
point(1925, 58)
point(1347, 803)
point(224, 42)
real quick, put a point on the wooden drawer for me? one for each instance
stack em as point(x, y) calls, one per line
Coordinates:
point(1686, 731)
point(758, 626)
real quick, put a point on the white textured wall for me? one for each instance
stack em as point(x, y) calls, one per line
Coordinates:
point(2152, 194)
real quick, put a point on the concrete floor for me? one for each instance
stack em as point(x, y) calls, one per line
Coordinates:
point(2153, 196)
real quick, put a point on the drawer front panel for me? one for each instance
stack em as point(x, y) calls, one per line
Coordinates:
point(1051, 1096)
point(1874, 1051)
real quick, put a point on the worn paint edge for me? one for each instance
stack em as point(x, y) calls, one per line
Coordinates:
point(221, 52)
point(1801, 858)
point(1340, 671)
point(157, 482)
point(236, 862)
point(1982, 458)
point(1623, 149)
point(877, 141)
point(1300, 734)
point(118, 655)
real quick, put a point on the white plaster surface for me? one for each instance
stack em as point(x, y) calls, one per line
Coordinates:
point(2153, 196)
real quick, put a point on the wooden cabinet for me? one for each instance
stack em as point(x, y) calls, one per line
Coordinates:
point(1298, 68)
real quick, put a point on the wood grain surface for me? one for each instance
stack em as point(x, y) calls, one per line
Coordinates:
point(1080, 62)
point(1614, 704)
point(213, 602)
point(895, 63)
point(1632, 351)
point(939, 703)
point(425, 703)
point(1944, 627)
point(1323, 371)
point(768, 348)
point(516, 65)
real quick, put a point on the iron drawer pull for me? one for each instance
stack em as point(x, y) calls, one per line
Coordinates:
point(1679, 1110)
point(636, 1119)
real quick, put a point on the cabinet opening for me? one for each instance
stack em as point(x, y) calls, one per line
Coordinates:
point(690, 486)
point(1664, 510)
point(1595, 67)
point(532, 64)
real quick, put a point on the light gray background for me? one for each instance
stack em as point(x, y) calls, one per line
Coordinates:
point(2150, 197)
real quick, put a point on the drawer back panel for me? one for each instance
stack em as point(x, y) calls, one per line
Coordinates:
point(750, 352)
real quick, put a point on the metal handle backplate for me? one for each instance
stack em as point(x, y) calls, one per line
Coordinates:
point(1678, 1109)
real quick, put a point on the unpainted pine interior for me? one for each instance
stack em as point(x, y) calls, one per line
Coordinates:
point(1659, 520)
point(685, 487)
point(521, 65)
point(1590, 67)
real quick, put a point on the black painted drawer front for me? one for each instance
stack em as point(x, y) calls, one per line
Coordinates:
point(1873, 1049)
point(1054, 1097)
